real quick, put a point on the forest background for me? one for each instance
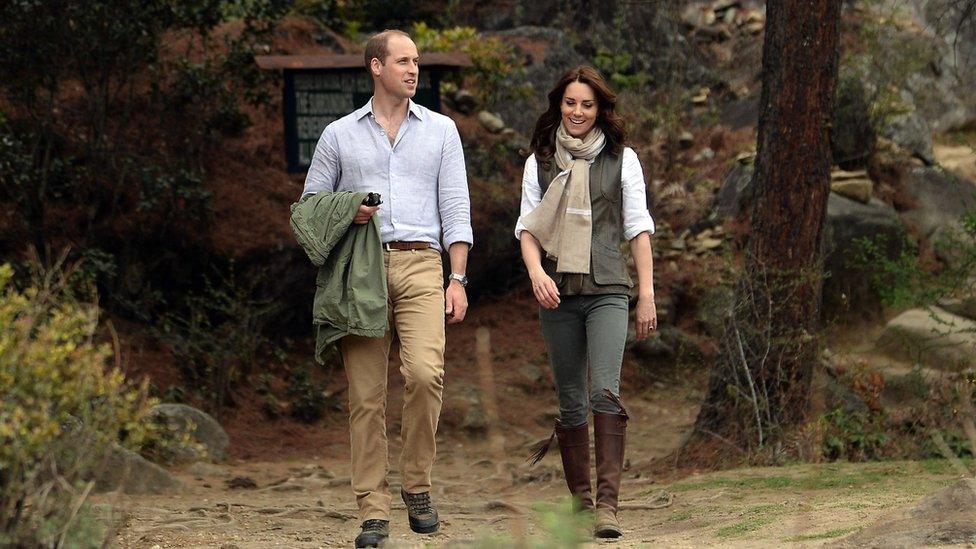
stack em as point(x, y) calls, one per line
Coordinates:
point(151, 282)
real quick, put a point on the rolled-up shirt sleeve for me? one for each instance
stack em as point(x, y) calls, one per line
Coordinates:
point(531, 193)
point(324, 170)
point(453, 200)
point(637, 218)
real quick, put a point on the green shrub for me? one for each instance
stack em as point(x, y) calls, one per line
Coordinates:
point(218, 334)
point(61, 406)
point(857, 435)
point(495, 64)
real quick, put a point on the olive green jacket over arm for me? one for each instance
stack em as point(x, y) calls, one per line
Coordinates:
point(350, 289)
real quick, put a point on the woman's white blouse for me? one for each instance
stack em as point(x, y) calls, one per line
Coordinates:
point(636, 217)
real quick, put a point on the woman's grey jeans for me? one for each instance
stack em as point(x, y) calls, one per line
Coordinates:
point(586, 329)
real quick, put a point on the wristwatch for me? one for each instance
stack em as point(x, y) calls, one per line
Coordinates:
point(463, 280)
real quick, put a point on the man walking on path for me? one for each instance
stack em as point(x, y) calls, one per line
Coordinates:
point(413, 158)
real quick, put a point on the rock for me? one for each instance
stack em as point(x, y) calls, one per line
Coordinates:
point(731, 16)
point(911, 132)
point(734, 194)
point(746, 158)
point(241, 482)
point(531, 377)
point(847, 285)
point(204, 469)
point(668, 343)
point(705, 154)
point(719, 6)
point(843, 175)
point(855, 189)
point(934, 338)
point(696, 16)
point(852, 134)
point(719, 32)
point(701, 97)
point(705, 244)
point(465, 102)
point(755, 27)
point(965, 308)
point(941, 198)
point(686, 140)
point(130, 473)
point(201, 426)
point(943, 518)
point(652, 348)
point(491, 122)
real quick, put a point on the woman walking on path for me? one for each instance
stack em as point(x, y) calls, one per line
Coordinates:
point(582, 194)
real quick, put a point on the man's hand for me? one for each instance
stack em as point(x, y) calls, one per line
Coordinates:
point(455, 302)
point(645, 317)
point(364, 213)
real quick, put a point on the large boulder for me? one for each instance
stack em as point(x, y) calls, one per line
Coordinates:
point(946, 53)
point(209, 438)
point(735, 193)
point(940, 198)
point(947, 517)
point(911, 132)
point(126, 471)
point(932, 337)
point(847, 285)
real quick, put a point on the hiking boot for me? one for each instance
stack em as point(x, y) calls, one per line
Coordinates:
point(375, 532)
point(422, 515)
point(574, 449)
point(609, 432)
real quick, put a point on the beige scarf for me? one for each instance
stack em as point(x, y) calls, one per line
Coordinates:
point(563, 221)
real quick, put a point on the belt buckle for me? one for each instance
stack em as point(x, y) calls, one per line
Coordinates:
point(386, 246)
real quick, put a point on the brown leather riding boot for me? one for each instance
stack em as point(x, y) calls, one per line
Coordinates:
point(574, 448)
point(609, 434)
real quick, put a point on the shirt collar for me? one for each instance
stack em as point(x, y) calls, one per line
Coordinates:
point(368, 109)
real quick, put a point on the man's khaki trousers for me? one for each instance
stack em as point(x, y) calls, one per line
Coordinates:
point(416, 305)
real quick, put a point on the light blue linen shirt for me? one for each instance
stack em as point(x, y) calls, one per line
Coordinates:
point(421, 177)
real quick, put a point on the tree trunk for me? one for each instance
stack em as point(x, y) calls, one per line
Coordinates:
point(760, 385)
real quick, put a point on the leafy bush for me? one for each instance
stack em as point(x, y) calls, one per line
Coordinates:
point(495, 64)
point(60, 408)
point(308, 399)
point(217, 334)
point(857, 435)
point(906, 281)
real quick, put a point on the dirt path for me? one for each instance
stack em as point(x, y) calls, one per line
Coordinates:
point(299, 493)
point(307, 502)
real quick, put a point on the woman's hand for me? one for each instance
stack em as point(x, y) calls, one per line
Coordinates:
point(646, 317)
point(545, 289)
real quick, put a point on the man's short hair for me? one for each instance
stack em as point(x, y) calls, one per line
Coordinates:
point(376, 46)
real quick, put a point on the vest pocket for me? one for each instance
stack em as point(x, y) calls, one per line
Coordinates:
point(608, 266)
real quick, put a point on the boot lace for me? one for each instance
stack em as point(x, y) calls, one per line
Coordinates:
point(373, 525)
point(419, 503)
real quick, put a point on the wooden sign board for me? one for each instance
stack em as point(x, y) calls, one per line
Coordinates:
point(321, 89)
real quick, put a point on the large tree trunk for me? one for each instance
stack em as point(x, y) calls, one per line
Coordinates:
point(760, 385)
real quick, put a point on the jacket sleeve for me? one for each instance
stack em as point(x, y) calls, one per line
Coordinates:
point(320, 220)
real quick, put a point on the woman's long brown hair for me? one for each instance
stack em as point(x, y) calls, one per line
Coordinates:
point(612, 124)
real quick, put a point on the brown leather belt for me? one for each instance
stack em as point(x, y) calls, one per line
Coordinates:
point(405, 245)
